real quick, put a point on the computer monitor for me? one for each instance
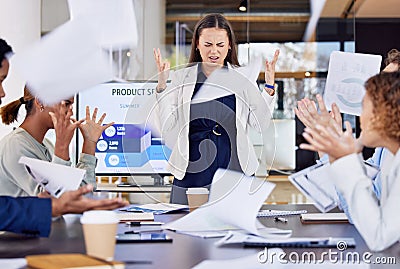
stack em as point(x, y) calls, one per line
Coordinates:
point(276, 148)
point(130, 146)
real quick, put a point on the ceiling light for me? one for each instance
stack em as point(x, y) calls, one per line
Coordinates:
point(243, 6)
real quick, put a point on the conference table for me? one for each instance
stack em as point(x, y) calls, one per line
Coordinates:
point(185, 251)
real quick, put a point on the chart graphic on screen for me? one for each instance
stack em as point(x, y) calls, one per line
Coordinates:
point(132, 145)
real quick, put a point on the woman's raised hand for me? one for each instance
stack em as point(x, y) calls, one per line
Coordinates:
point(92, 130)
point(64, 127)
point(163, 67)
point(270, 71)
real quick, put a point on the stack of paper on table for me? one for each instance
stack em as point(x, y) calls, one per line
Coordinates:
point(133, 216)
point(233, 204)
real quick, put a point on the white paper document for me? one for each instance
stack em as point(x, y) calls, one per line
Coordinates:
point(55, 178)
point(347, 74)
point(273, 262)
point(13, 263)
point(64, 62)
point(234, 202)
point(224, 81)
point(113, 21)
point(314, 183)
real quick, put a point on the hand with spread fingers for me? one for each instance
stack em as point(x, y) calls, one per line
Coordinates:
point(326, 139)
point(75, 202)
point(92, 130)
point(163, 67)
point(64, 127)
point(270, 73)
point(308, 114)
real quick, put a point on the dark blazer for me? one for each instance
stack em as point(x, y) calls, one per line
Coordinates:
point(25, 215)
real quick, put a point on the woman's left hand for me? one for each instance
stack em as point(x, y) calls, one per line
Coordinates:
point(92, 130)
point(270, 71)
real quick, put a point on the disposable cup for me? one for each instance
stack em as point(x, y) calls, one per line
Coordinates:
point(197, 197)
point(99, 230)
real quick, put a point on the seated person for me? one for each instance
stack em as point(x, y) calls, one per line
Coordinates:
point(309, 116)
point(32, 215)
point(380, 127)
point(28, 140)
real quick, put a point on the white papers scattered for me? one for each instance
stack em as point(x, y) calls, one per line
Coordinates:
point(224, 81)
point(63, 62)
point(346, 76)
point(233, 203)
point(13, 263)
point(55, 178)
point(277, 259)
point(314, 182)
point(113, 21)
point(248, 262)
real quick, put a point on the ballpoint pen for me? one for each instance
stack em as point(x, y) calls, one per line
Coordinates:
point(143, 223)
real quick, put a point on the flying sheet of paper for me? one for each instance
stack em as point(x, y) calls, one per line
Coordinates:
point(223, 82)
point(55, 178)
point(114, 21)
point(233, 203)
point(63, 62)
point(347, 74)
point(314, 183)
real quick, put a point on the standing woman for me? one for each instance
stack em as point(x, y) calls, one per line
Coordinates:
point(211, 134)
point(29, 140)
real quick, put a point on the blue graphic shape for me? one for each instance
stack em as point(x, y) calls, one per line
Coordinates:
point(129, 159)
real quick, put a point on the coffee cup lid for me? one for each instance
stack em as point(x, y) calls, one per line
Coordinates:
point(99, 217)
point(197, 191)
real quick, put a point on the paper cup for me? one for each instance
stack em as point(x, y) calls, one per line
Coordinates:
point(99, 230)
point(197, 197)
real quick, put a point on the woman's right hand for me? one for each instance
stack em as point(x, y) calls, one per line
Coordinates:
point(64, 127)
point(163, 67)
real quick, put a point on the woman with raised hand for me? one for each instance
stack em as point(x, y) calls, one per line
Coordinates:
point(29, 140)
point(211, 134)
point(375, 219)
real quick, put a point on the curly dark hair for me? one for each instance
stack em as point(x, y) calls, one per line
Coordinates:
point(393, 56)
point(384, 91)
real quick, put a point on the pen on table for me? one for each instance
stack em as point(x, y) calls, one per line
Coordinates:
point(143, 231)
point(281, 219)
point(144, 223)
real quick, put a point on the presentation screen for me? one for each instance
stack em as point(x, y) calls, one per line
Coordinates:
point(131, 145)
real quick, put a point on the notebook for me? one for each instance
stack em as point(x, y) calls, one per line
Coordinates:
point(73, 261)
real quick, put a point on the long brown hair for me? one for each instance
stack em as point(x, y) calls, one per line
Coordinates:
point(214, 21)
point(9, 112)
